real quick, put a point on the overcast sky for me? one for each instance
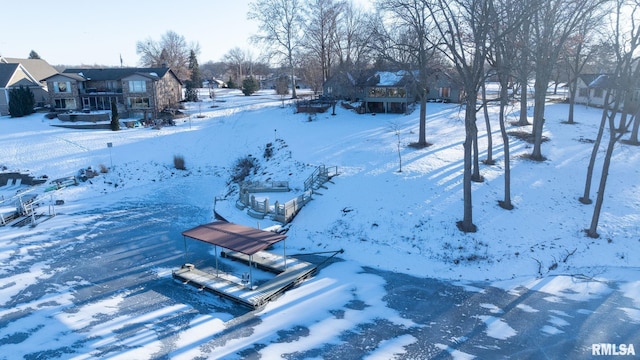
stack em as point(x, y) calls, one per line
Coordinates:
point(68, 32)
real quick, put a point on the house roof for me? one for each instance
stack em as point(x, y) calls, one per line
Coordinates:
point(589, 78)
point(381, 78)
point(38, 68)
point(235, 237)
point(104, 74)
point(7, 72)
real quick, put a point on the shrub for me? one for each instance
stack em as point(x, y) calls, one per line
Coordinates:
point(21, 102)
point(115, 118)
point(268, 151)
point(103, 168)
point(250, 85)
point(178, 162)
point(243, 168)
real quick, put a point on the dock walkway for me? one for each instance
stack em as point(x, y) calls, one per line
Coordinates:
point(233, 288)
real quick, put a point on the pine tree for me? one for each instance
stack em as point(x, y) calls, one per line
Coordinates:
point(190, 92)
point(250, 85)
point(21, 102)
point(34, 55)
point(115, 118)
point(231, 84)
point(194, 68)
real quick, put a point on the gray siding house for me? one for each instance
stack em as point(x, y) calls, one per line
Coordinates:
point(29, 73)
point(388, 91)
point(592, 89)
point(138, 92)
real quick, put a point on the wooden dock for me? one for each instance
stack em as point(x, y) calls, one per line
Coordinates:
point(233, 288)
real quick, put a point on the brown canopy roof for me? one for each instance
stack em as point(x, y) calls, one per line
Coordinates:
point(240, 238)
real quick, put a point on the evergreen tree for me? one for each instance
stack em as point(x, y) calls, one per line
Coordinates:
point(21, 102)
point(250, 85)
point(115, 118)
point(190, 92)
point(231, 84)
point(196, 78)
point(34, 55)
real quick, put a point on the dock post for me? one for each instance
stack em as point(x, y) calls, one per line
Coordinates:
point(185, 249)
point(250, 272)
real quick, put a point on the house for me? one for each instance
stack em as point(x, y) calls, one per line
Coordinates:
point(592, 89)
point(213, 84)
point(388, 91)
point(379, 91)
point(587, 94)
point(30, 73)
point(138, 92)
point(443, 87)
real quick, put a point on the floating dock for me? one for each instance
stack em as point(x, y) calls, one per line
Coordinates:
point(238, 290)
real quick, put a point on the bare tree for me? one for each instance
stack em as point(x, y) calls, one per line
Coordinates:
point(551, 26)
point(172, 50)
point(236, 59)
point(509, 17)
point(523, 64)
point(395, 128)
point(620, 85)
point(406, 43)
point(310, 71)
point(321, 30)
point(577, 54)
point(463, 27)
point(280, 26)
point(353, 36)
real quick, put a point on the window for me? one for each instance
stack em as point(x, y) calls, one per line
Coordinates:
point(111, 85)
point(65, 104)
point(597, 92)
point(62, 87)
point(139, 102)
point(377, 92)
point(583, 92)
point(137, 86)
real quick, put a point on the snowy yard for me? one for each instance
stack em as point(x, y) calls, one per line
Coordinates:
point(95, 281)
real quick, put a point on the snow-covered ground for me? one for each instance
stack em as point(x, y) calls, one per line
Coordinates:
point(95, 280)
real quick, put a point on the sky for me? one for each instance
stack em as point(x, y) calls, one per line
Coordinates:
point(65, 32)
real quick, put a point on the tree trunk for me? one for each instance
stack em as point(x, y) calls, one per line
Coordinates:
point(524, 86)
point(293, 77)
point(476, 177)
point(613, 139)
point(422, 136)
point(573, 87)
point(633, 140)
point(594, 152)
point(466, 225)
point(504, 94)
point(489, 160)
point(538, 116)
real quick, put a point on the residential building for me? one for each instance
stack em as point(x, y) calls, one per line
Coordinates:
point(592, 89)
point(30, 73)
point(138, 92)
point(388, 91)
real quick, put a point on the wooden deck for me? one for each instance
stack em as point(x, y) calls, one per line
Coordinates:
point(263, 260)
point(231, 287)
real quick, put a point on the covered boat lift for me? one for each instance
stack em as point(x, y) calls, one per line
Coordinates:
point(243, 243)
